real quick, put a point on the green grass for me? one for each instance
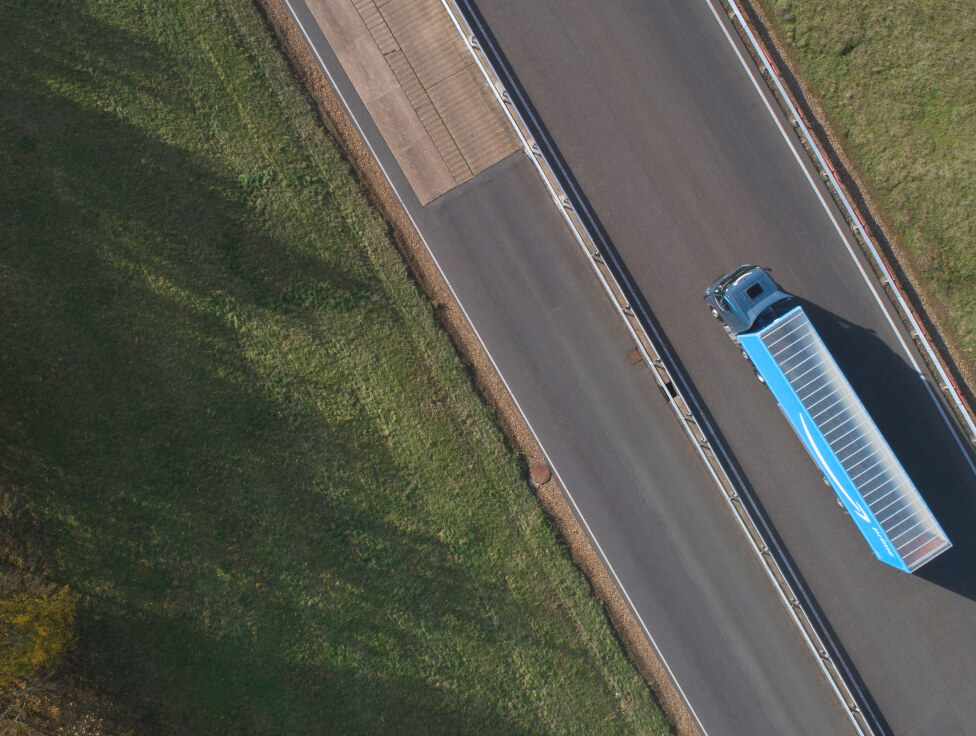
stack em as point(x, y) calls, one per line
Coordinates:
point(244, 438)
point(897, 79)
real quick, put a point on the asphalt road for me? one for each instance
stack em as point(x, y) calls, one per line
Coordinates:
point(616, 446)
point(690, 176)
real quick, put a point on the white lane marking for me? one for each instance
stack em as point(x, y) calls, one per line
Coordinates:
point(555, 471)
point(844, 238)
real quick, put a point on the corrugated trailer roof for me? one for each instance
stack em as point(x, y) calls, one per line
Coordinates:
point(837, 430)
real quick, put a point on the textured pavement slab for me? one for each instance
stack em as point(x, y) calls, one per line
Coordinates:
point(421, 87)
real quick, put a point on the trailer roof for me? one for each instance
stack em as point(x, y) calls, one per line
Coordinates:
point(864, 466)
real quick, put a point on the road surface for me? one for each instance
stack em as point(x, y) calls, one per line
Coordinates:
point(691, 175)
point(615, 445)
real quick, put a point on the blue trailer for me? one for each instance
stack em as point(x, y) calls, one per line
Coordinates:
point(830, 420)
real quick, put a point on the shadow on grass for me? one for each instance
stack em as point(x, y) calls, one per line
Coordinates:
point(229, 536)
point(900, 403)
point(311, 668)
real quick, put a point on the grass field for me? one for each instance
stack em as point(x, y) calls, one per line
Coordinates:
point(897, 79)
point(246, 442)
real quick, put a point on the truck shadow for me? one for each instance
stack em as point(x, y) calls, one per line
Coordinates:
point(900, 402)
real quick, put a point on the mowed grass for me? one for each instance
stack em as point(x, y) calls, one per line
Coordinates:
point(246, 441)
point(898, 79)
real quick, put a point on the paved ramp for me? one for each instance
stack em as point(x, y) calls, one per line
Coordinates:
point(421, 87)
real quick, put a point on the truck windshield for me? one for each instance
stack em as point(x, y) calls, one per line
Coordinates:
point(731, 278)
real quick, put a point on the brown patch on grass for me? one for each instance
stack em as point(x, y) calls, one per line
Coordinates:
point(487, 380)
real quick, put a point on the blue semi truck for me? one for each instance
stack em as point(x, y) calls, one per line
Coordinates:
point(828, 417)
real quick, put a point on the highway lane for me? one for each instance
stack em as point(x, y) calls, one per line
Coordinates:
point(615, 446)
point(690, 176)
point(620, 453)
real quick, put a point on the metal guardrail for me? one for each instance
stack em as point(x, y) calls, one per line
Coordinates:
point(624, 297)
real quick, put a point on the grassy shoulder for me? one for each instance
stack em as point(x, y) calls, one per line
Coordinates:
point(247, 444)
point(896, 78)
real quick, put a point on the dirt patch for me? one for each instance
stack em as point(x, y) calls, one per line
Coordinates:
point(421, 265)
point(934, 319)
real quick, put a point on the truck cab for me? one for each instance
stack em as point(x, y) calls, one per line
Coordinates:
point(745, 298)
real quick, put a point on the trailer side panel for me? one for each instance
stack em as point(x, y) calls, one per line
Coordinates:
point(843, 440)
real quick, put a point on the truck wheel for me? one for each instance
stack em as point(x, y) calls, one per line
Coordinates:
point(760, 378)
point(716, 315)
